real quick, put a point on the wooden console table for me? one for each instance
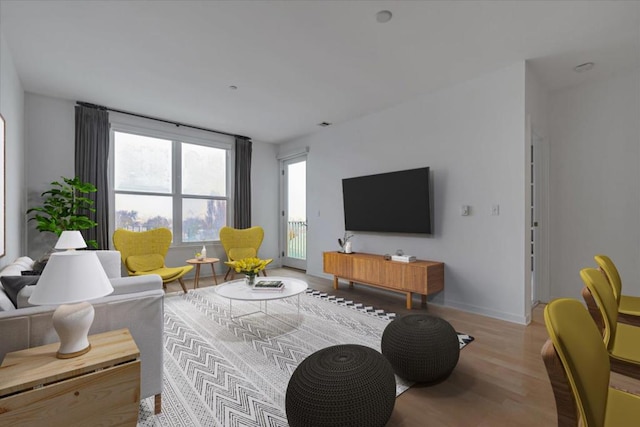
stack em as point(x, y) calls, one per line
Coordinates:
point(101, 387)
point(420, 277)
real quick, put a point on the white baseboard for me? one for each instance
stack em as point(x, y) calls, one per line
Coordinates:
point(440, 301)
point(500, 315)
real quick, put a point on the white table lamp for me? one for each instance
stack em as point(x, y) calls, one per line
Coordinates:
point(70, 239)
point(71, 278)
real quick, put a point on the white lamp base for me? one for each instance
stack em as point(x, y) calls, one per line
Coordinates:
point(72, 323)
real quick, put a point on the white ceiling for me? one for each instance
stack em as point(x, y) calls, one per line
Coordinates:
point(298, 63)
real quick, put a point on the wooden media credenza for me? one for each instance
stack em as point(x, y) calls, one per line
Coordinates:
point(420, 277)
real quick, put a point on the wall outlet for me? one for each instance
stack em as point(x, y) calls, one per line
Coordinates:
point(495, 210)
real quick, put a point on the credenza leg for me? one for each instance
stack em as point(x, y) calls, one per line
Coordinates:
point(350, 284)
point(335, 282)
point(424, 300)
point(409, 297)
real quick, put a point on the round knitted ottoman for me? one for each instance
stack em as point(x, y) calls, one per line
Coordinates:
point(343, 385)
point(420, 347)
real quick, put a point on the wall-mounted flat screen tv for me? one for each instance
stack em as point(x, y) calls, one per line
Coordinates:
point(395, 202)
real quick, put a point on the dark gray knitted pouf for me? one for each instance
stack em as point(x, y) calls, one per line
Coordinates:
point(343, 385)
point(420, 347)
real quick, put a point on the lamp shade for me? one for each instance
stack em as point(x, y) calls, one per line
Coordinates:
point(69, 277)
point(70, 239)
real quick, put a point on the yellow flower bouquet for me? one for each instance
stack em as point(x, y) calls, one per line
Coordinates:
point(250, 267)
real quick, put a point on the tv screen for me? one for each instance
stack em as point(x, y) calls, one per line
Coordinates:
point(396, 202)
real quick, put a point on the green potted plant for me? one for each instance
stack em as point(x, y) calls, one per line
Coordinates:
point(64, 208)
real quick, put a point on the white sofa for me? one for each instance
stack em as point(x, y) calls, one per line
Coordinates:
point(136, 304)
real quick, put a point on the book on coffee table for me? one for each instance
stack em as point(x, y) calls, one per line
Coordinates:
point(268, 285)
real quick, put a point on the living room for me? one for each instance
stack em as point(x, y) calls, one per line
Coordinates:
point(474, 134)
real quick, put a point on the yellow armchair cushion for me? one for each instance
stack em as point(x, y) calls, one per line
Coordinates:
point(168, 274)
point(236, 254)
point(145, 263)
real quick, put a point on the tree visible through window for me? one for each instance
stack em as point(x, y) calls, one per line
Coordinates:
point(170, 183)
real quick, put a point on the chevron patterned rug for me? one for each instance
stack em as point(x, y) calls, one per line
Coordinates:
point(223, 372)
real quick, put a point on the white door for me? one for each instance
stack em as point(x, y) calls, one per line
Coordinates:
point(539, 220)
point(535, 236)
point(294, 212)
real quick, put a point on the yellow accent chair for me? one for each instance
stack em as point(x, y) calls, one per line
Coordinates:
point(628, 306)
point(578, 367)
point(144, 253)
point(621, 340)
point(241, 243)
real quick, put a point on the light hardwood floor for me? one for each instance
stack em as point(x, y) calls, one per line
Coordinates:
point(500, 379)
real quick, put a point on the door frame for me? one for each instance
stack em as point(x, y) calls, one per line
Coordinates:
point(542, 199)
point(282, 213)
point(540, 196)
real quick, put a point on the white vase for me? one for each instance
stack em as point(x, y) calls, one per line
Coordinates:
point(347, 248)
point(203, 252)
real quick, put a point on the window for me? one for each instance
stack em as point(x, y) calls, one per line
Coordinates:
point(161, 179)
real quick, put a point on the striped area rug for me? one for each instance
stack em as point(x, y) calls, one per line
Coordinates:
point(224, 372)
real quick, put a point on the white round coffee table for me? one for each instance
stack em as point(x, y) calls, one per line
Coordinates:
point(239, 291)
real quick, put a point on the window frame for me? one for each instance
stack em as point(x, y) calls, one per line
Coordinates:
point(177, 135)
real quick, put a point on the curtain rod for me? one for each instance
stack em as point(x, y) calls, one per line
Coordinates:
point(102, 107)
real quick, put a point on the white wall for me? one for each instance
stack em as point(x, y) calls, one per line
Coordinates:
point(264, 197)
point(472, 137)
point(595, 172)
point(12, 109)
point(50, 140)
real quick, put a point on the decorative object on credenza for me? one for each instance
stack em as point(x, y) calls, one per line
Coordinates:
point(71, 278)
point(401, 257)
point(345, 244)
point(250, 267)
point(421, 347)
point(342, 385)
point(65, 208)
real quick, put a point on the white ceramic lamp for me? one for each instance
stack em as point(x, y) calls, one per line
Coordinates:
point(71, 278)
point(70, 239)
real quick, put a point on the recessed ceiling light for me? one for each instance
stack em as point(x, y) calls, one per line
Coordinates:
point(384, 16)
point(583, 67)
point(324, 124)
point(233, 87)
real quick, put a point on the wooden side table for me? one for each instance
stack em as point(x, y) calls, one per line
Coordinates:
point(198, 263)
point(101, 387)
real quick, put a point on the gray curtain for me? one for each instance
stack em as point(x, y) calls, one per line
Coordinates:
point(242, 201)
point(91, 164)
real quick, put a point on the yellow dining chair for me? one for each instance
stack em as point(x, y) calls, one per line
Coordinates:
point(144, 253)
point(578, 367)
point(628, 306)
point(621, 340)
point(241, 243)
